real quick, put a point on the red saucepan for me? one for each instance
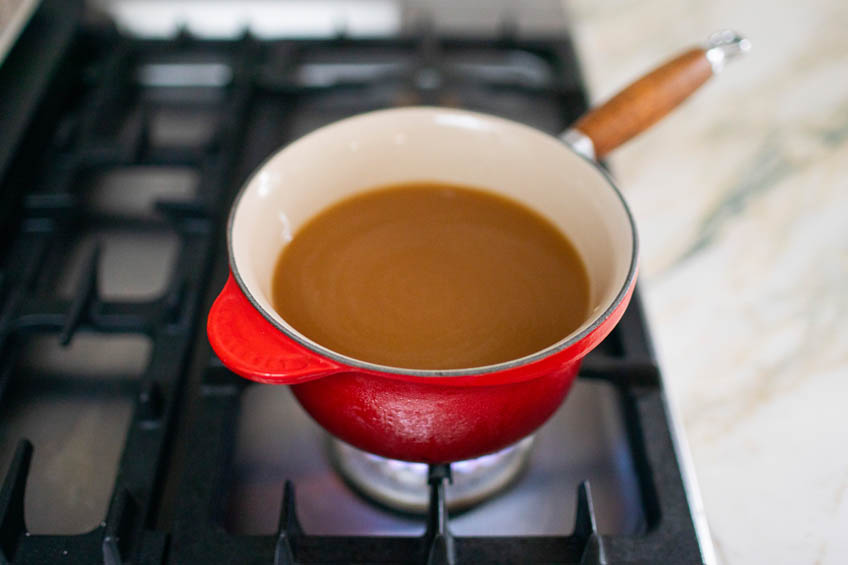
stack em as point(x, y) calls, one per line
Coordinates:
point(427, 415)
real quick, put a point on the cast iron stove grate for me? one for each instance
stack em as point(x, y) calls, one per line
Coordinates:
point(77, 100)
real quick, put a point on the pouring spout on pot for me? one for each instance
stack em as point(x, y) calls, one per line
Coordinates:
point(650, 98)
point(251, 346)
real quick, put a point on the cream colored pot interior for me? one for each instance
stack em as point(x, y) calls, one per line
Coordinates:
point(410, 144)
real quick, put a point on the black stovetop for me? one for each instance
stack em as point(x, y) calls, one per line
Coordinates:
point(122, 436)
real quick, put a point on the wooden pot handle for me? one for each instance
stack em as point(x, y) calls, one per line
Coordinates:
point(651, 97)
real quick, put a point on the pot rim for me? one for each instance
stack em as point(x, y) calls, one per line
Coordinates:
point(345, 360)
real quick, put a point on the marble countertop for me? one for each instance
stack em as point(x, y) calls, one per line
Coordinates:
point(741, 197)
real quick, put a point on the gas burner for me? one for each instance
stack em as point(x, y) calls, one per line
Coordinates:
point(403, 485)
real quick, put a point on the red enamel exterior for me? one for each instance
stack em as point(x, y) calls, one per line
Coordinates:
point(432, 419)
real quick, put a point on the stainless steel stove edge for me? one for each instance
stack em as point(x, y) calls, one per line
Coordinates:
point(690, 482)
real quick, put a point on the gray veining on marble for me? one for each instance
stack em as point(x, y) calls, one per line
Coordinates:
point(742, 203)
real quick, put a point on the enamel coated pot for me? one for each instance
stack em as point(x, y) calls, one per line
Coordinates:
point(450, 415)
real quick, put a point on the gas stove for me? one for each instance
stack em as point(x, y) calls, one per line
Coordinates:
point(122, 437)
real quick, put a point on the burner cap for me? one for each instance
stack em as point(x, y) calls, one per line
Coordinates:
point(402, 485)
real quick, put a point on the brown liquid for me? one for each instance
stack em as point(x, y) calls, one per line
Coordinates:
point(431, 276)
